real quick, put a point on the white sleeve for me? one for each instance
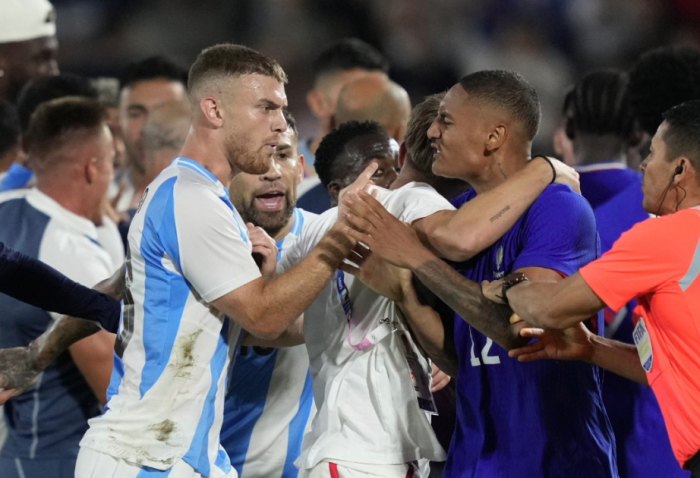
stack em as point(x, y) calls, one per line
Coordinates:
point(213, 246)
point(74, 256)
point(311, 235)
point(421, 201)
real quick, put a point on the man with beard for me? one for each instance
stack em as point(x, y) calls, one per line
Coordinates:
point(192, 283)
point(269, 396)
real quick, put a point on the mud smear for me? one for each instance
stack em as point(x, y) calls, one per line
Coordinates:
point(163, 430)
point(184, 359)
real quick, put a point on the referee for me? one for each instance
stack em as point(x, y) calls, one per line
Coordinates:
point(658, 263)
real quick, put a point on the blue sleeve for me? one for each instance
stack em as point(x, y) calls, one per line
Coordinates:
point(560, 232)
point(17, 177)
point(37, 284)
point(463, 198)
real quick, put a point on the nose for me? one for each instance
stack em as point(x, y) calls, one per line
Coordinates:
point(643, 165)
point(434, 130)
point(273, 173)
point(279, 123)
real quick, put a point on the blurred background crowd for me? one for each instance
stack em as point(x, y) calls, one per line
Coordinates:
point(429, 45)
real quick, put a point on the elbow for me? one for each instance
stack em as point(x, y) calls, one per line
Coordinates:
point(264, 329)
point(453, 247)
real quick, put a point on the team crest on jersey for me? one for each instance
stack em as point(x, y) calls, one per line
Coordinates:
point(498, 271)
point(643, 343)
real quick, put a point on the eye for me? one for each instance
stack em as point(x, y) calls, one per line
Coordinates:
point(282, 156)
point(379, 173)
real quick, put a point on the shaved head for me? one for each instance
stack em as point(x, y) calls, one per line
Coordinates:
point(375, 98)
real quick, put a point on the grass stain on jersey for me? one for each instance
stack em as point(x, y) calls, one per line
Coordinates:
point(185, 354)
point(163, 430)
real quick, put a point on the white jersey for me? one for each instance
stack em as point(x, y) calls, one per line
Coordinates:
point(270, 399)
point(187, 247)
point(368, 409)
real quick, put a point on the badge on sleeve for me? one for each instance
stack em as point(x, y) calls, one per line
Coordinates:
point(643, 343)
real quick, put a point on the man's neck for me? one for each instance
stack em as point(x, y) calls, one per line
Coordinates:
point(66, 194)
point(592, 149)
point(200, 146)
point(501, 167)
point(447, 188)
point(284, 232)
point(691, 199)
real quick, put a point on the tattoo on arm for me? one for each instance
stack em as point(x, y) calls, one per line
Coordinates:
point(500, 213)
point(465, 297)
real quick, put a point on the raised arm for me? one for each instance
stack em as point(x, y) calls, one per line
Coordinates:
point(460, 235)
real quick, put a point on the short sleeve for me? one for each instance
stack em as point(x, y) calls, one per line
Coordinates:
point(418, 202)
point(637, 263)
point(211, 246)
point(560, 232)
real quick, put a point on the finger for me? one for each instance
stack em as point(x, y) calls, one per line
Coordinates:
point(375, 206)
point(362, 250)
point(250, 226)
point(358, 223)
point(366, 176)
point(360, 208)
point(358, 236)
point(532, 332)
point(527, 349)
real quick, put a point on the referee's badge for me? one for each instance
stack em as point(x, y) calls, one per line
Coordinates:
point(643, 343)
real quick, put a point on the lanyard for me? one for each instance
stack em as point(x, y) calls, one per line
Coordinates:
point(376, 335)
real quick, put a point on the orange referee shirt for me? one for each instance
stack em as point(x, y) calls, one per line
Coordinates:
point(658, 262)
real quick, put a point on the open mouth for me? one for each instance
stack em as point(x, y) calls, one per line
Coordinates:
point(270, 201)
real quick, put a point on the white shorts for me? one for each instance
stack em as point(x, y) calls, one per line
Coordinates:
point(94, 464)
point(327, 469)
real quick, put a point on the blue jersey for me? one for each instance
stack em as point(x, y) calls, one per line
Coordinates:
point(615, 193)
point(542, 419)
point(49, 419)
point(269, 400)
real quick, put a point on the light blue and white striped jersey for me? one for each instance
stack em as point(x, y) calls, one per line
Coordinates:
point(269, 400)
point(187, 247)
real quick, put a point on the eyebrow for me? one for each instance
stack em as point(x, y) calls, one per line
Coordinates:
point(284, 147)
point(271, 104)
point(139, 108)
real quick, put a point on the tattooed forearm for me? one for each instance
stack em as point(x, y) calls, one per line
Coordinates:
point(499, 214)
point(465, 297)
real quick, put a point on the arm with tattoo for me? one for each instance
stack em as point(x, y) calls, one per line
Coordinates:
point(20, 366)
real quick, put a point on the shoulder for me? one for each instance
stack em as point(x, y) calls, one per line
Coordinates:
point(561, 203)
point(463, 198)
point(413, 201)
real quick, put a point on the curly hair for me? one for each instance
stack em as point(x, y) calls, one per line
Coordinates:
point(660, 79)
point(330, 151)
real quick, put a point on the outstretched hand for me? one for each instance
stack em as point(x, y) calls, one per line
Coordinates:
point(573, 343)
point(384, 234)
point(16, 372)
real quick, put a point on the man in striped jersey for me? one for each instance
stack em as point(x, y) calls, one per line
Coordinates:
point(270, 397)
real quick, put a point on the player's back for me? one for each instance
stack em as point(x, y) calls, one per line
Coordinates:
point(615, 193)
point(543, 418)
point(50, 418)
point(368, 407)
point(167, 388)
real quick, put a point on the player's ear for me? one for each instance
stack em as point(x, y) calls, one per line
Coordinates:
point(496, 137)
point(212, 111)
point(402, 156)
point(334, 188)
